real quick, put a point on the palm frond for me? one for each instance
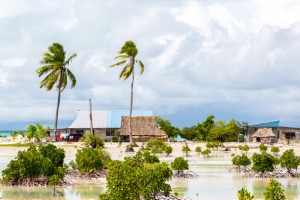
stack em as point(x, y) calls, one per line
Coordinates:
point(52, 80)
point(122, 56)
point(70, 59)
point(71, 77)
point(118, 63)
point(57, 51)
point(123, 71)
point(142, 67)
point(46, 80)
point(64, 82)
point(44, 70)
point(128, 71)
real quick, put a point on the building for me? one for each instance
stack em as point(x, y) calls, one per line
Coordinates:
point(105, 123)
point(144, 128)
point(262, 131)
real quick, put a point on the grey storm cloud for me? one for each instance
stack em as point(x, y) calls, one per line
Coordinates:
point(201, 57)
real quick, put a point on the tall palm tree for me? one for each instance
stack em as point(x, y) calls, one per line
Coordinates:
point(128, 53)
point(54, 64)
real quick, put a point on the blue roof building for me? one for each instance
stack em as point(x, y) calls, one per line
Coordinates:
point(105, 122)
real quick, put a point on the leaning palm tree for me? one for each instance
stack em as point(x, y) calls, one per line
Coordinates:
point(128, 53)
point(54, 64)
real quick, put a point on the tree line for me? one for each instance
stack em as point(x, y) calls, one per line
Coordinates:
point(208, 130)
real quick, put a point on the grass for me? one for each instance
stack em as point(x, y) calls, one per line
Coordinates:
point(15, 145)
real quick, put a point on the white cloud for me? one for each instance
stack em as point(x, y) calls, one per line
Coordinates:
point(201, 57)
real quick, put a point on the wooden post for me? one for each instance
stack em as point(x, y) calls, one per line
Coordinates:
point(91, 118)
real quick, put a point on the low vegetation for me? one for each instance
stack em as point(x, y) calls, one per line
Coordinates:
point(181, 166)
point(90, 140)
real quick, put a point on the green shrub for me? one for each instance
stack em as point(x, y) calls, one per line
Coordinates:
point(262, 147)
point(242, 160)
point(206, 153)
point(155, 146)
point(275, 150)
point(274, 191)
point(186, 150)
point(244, 148)
point(115, 139)
point(148, 158)
point(263, 162)
point(34, 162)
point(168, 150)
point(179, 164)
point(89, 159)
point(243, 194)
point(90, 140)
point(134, 179)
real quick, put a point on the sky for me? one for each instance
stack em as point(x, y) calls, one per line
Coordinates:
point(227, 58)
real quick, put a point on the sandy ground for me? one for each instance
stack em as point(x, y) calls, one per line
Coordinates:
point(115, 151)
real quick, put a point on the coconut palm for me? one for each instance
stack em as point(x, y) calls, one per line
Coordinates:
point(54, 64)
point(128, 53)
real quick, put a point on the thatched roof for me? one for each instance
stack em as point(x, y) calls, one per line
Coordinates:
point(141, 126)
point(264, 132)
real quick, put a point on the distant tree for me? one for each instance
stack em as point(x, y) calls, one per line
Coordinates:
point(55, 65)
point(239, 161)
point(128, 55)
point(188, 133)
point(274, 191)
point(275, 150)
point(155, 146)
point(290, 161)
point(207, 125)
point(166, 126)
point(37, 131)
point(14, 134)
point(262, 147)
point(244, 148)
point(205, 153)
point(224, 132)
point(179, 164)
point(186, 150)
point(198, 151)
point(168, 150)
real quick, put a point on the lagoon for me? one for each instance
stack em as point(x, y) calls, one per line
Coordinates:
point(215, 182)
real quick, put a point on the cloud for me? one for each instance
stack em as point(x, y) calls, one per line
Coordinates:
point(201, 58)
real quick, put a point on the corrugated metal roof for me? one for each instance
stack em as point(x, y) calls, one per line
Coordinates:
point(104, 119)
point(265, 124)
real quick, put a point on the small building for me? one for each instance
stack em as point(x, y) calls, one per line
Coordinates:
point(144, 128)
point(281, 133)
point(106, 124)
point(265, 135)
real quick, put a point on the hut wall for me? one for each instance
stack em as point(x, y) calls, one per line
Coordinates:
point(146, 138)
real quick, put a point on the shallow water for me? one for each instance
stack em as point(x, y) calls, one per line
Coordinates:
point(215, 182)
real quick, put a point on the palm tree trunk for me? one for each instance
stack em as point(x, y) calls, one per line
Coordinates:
point(57, 107)
point(130, 112)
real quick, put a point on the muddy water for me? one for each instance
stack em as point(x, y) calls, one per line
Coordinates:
point(214, 183)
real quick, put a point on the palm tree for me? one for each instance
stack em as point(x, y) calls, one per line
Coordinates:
point(54, 64)
point(128, 53)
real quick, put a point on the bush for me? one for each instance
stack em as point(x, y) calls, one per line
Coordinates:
point(275, 150)
point(34, 162)
point(243, 194)
point(115, 139)
point(155, 146)
point(263, 162)
point(89, 159)
point(180, 164)
point(90, 140)
point(186, 150)
point(205, 153)
point(274, 191)
point(244, 148)
point(242, 160)
point(148, 158)
point(168, 150)
point(133, 179)
point(262, 147)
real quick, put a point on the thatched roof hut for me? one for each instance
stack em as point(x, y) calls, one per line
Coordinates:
point(263, 133)
point(144, 128)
